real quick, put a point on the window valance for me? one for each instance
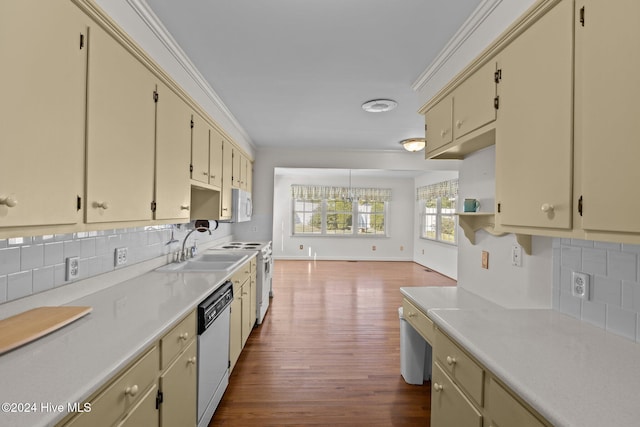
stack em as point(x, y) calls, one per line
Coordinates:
point(440, 189)
point(318, 192)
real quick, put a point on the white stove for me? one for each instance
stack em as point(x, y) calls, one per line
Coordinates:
point(264, 286)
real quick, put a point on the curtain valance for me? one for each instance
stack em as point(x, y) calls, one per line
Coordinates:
point(439, 189)
point(317, 192)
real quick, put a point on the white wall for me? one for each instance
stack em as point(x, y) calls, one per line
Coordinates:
point(441, 257)
point(398, 246)
point(513, 287)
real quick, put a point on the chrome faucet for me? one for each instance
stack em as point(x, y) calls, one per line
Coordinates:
point(183, 256)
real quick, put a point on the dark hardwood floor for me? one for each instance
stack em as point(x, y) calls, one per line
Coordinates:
point(328, 352)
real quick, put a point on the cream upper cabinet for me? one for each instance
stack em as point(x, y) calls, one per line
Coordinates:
point(607, 94)
point(458, 123)
point(534, 149)
point(227, 174)
point(473, 101)
point(236, 166)
point(438, 124)
point(120, 133)
point(42, 112)
point(199, 149)
point(215, 158)
point(172, 188)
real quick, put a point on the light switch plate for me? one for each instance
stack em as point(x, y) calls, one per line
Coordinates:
point(485, 260)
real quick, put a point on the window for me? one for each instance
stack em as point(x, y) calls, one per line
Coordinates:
point(335, 211)
point(438, 205)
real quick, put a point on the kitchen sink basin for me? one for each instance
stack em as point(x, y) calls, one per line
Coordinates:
point(218, 262)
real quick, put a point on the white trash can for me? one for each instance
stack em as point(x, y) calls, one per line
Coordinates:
point(415, 353)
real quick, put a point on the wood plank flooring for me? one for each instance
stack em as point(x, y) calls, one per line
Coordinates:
point(328, 352)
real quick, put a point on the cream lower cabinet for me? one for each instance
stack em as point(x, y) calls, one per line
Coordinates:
point(465, 394)
point(120, 133)
point(534, 148)
point(158, 389)
point(172, 186)
point(607, 94)
point(243, 310)
point(43, 46)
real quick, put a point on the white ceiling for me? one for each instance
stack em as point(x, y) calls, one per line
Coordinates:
point(294, 73)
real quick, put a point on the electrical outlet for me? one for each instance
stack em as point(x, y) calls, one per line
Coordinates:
point(121, 257)
point(485, 260)
point(301, 247)
point(401, 248)
point(72, 268)
point(580, 285)
point(373, 248)
point(516, 256)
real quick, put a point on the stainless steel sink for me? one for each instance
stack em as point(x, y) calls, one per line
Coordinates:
point(209, 262)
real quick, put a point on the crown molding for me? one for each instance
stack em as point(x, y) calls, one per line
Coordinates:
point(160, 31)
point(478, 16)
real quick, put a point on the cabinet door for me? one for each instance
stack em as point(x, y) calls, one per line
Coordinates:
point(42, 112)
point(179, 388)
point(438, 121)
point(253, 315)
point(235, 332)
point(608, 90)
point(449, 407)
point(172, 192)
point(200, 150)
point(249, 178)
point(227, 173)
point(215, 158)
point(534, 130)
point(120, 133)
point(473, 101)
point(502, 409)
point(246, 311)
point(235, 167)
point(143, 414)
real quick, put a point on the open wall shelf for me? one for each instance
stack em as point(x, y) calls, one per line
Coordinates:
point(474, 221)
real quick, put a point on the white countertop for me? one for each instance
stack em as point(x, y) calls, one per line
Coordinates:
point(572, 373)
point(70, 364)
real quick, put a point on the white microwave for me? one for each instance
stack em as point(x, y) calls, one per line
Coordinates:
point(242, 206)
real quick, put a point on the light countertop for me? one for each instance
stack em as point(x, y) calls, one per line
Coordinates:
point(70, 364)
point(572, 373)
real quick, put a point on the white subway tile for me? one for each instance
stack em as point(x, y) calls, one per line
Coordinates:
point(570, 305)
point(83, 268)
point(59, 275)
point(43, 278)
point(622, 322)
point(582, 243)
point(88, 248)
point(63, 237)
point(627, 247)
point(556, 242)
point(556, 268)
point(608, 246)
point(565, 280)
point(3, 288)
point(607, 291)
point(622, 265)
point(95, 266)
point(594, 261)
point(31, 257)
point(71, 248)
point(19, 285)
point(631, 296)
point(571, 257)
point(102, 246)
point(44, 239)
point(594, 313)
point(3, 244)
point(9, 260)
point(53, 253)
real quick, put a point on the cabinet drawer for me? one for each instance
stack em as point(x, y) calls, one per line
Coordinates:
point(240, 276)
point(449, 406)
point(178, 339)
point(502, 409)
point(463, 370)
point(122, 396)
point(419, 321)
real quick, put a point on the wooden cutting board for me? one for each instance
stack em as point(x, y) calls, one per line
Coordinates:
point(32, 324)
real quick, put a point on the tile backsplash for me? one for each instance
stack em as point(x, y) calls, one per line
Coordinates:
point(614, 294)
point(29, 265)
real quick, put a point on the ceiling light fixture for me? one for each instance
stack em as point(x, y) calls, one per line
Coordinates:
point(413, 144)
point(379, 105)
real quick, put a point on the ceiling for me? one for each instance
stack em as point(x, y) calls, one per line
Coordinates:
point(294, 73)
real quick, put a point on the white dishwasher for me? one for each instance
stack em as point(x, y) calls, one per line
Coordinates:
point(213, 351)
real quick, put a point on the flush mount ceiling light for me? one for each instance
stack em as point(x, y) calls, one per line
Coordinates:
point(379, 105)
point(413, 144)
